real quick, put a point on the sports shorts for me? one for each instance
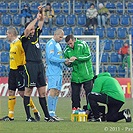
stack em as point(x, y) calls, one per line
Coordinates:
point(54, 82)
point(16, 80)
point(35, 74)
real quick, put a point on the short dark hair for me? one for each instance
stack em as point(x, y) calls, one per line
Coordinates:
point(68, 37)
point(92, 4)
point(27, 24)
point(48, 4)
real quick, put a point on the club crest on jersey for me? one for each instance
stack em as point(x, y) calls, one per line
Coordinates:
point(37, 45)
point(51, 51)
point(59, 52)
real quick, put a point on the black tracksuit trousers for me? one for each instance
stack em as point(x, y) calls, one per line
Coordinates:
point(113, 106)
point(76, 89)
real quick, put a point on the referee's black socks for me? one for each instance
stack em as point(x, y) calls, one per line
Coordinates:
point(27, 106)
point(44, 106)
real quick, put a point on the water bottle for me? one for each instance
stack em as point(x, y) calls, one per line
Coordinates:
point(73, 110)
point(83, 112)
point(80, 117)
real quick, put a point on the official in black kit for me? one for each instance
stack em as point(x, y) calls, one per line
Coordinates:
point(35, 74)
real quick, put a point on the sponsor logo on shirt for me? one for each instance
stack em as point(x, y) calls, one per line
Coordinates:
point(37, 45)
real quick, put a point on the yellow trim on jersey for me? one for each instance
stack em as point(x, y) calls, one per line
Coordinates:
point(35, 41)
point(27, 76)
point(29, 37)
point(37, 38)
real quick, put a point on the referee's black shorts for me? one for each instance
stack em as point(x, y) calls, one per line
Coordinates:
point(16, 80)
point(35, 74)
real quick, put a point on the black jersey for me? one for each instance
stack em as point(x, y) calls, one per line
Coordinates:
point(32, 47)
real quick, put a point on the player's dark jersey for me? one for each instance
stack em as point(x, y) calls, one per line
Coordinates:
point(32, 47)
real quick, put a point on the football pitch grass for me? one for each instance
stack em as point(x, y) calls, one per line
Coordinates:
point(19, 125)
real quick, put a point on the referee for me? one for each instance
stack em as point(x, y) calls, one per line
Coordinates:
point(35, 74)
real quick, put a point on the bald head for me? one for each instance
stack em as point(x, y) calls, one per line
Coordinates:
point(58, 32)
point(58, 35)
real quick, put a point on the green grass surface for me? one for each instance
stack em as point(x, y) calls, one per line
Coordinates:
point(19, 125)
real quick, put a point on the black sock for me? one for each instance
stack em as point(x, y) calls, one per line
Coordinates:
point(27, 106)
point(43, 104)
